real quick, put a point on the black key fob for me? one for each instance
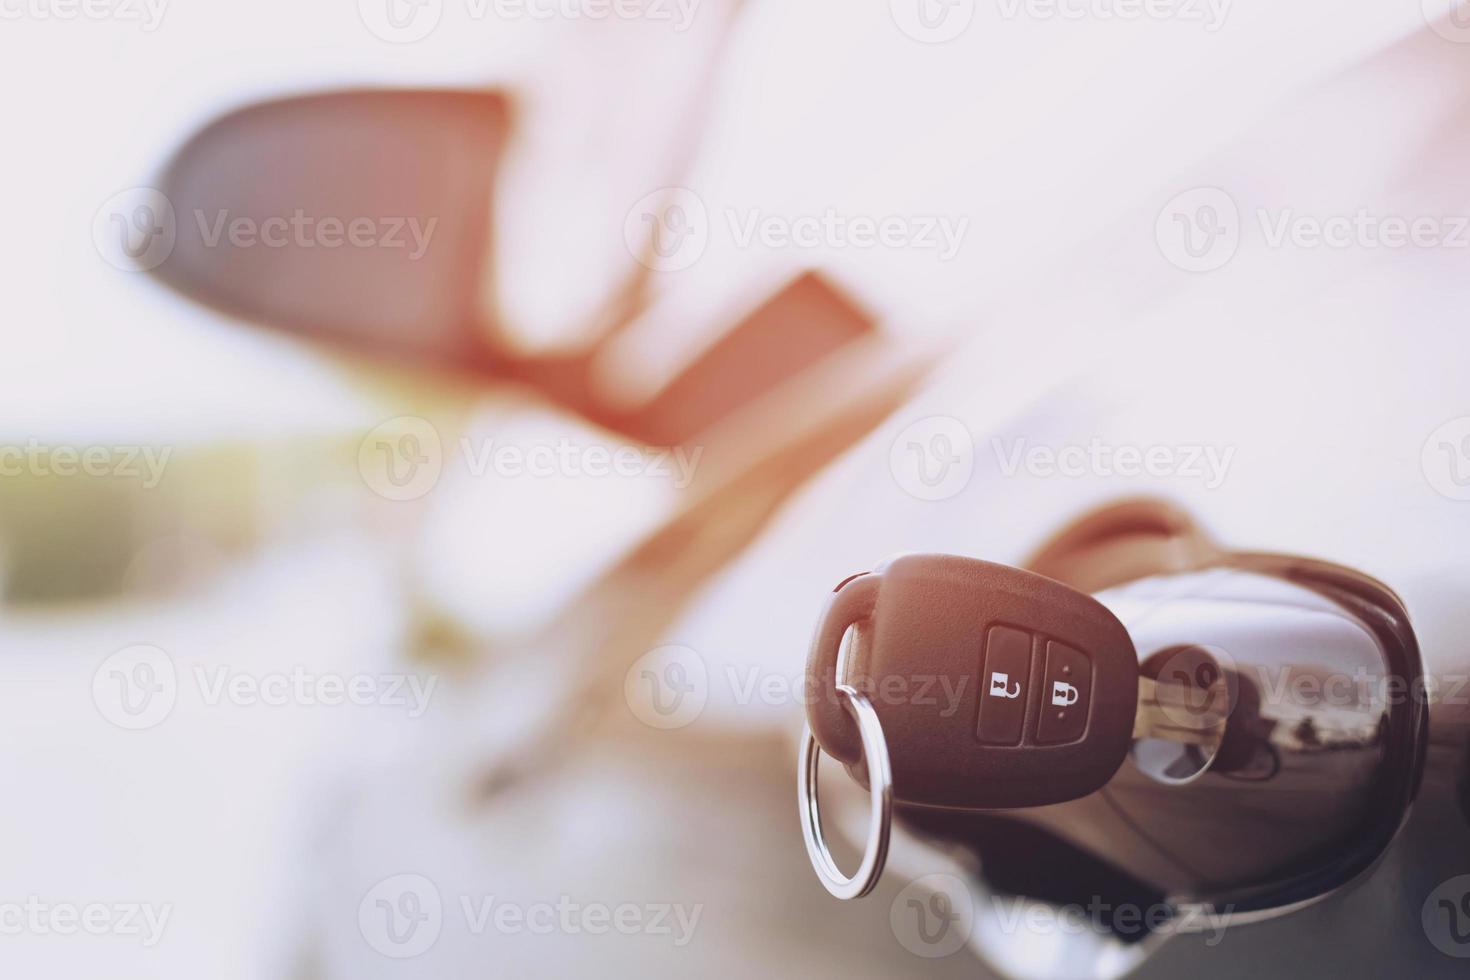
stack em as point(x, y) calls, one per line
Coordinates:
point(995, 687)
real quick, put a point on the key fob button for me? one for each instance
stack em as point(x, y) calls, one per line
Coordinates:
point(1004, 685)
point(1065, 696)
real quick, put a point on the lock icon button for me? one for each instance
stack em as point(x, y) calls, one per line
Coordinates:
point(1066, 687)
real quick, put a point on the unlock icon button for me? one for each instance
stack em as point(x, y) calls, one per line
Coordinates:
point(1005, 689)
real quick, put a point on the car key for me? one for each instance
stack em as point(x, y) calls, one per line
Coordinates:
point(995, 687)
point(978, 686)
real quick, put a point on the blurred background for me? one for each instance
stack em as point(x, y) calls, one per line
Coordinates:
point(429, 427)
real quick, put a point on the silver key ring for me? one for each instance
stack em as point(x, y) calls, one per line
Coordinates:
point(880, 790)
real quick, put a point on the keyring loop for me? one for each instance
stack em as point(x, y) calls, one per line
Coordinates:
point(880, 792)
